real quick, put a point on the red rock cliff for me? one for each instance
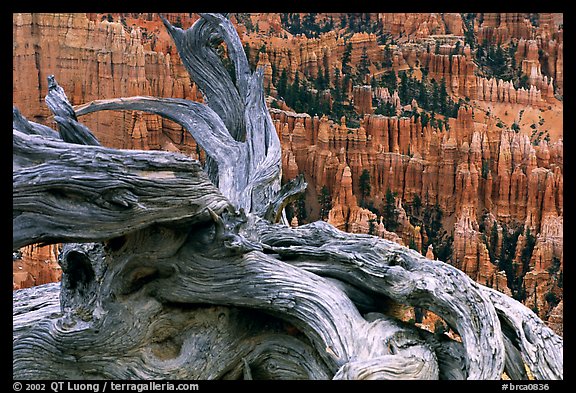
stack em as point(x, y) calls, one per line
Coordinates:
point(478, 171)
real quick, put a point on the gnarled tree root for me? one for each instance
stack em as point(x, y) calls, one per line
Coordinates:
point(190, 279)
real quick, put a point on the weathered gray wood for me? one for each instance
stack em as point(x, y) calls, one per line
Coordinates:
point(288, 193)
point(404, 275)
point(234, 127)
point(196, 47)
point(66, 193)
point(176, 267)
point(514, 366)
point(186, 281)
point(69, 128)
point(410, 357)
point(541, 349)
point(451, 355)
point(390, 367)
point(112, 328)
point(147, 340)
point(318, 309)
point(32, 305)
point(249, 184)
point(20, 123)
point(352, 343)
point(202, 122)
point(410, 279)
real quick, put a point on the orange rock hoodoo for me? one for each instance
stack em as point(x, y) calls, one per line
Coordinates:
point(475, 171)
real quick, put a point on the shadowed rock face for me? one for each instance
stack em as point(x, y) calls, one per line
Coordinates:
point(472, 169)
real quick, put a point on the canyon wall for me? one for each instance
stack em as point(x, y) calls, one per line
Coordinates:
point(479, 173)
point(35, 265)
point(474, 173)
point(91, 59)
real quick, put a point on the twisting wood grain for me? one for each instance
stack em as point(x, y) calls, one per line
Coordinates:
point(405, 276)
point(20, 123)
point(186, 284)
point(70, 129)
point(248, 182)
point(144, 339)
point(204, 125)
point(34, 304)
point(115, 297)
point(451, 355)
point(288, 193)
point(196, 47)
point(65, 193)
point(234, 127)
point(317, 308)
point(514, 365)
point(541, 349)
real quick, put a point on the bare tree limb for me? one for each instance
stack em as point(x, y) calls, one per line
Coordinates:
point(90, 193)
point(25, 126)
point(175, 277)
point(71, 130)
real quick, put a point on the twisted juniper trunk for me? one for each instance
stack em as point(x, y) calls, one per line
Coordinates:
point(173, 270)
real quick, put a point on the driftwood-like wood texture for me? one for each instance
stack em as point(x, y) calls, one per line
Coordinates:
point(181, 271)
point(64, 192)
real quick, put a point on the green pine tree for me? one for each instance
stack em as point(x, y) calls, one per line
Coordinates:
point(416, 204)
point(301, 209)
point(365, 187)
point(337, 93)
point(325, 201)
point(363, 66)
point(282, 85)
point(493, 246)
point(346, 59)
point(390, 214)
point(443, 97)
point(371, 226)
point(403, 89)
